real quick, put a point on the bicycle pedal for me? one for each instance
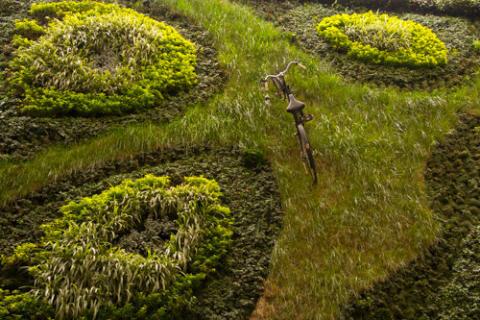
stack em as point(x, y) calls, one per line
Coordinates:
point(267, 100)
point(308, 117)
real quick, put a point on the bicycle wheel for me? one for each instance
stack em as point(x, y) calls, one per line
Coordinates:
point(307, 153)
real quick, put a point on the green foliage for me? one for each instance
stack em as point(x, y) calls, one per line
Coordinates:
point(97, 59)
point(21, 256)
point(48, 10)
point(10, 7)
point(384, 39)
point(80, 272)
point(29, 29)
point(476, 45)
point(16, 305)
point(460, 298)
point(457, 5)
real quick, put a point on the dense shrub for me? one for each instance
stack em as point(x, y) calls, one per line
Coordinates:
point(79, 268)
point(384, 39)
point(92, 58)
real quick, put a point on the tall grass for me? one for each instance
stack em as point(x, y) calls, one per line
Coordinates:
point(368, 215)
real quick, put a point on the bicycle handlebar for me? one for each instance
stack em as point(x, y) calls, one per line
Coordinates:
point(284, 72)
point(279, 79)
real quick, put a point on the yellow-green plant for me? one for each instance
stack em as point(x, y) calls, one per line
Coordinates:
point(92, 58)
point(80, 272)
point(384, 39)
point(476, 45)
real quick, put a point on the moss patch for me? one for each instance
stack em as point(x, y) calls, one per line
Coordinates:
point(248, 190)
point(443, 284)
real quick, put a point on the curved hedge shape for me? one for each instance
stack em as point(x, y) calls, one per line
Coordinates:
point(91, 58)
point(384, 39)
point(80, 271)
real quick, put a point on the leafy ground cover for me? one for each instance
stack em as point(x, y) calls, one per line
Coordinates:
point(369, 215)
point(466, 8)
point(248, 190)
point(24, 135)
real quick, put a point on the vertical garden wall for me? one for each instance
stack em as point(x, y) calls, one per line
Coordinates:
point(153, 167)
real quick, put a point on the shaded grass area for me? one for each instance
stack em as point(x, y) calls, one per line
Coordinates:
point(442, 283)
point(368, 215)
point(248, 188)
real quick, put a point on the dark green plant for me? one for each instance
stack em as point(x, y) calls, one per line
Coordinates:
point(457, 5)
point(384, 39)
point(460, 298)
point(16, 305)
point(91, 58)
point(80, 272)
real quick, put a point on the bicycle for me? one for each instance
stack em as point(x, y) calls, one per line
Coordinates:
point(295, 108)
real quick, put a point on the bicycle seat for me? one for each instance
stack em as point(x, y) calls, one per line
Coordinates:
point(294, 105)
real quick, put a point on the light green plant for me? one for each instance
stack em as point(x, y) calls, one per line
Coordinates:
point(95, 58)
point(476, 45)
point(384, 39)
point(15, 305)
point(29, 28)
point(79, 271)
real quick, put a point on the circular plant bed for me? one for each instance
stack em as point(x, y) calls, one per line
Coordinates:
point(195, 248)
point(365, 52)
point(92, 262)
point(383, 39)
point(91, 58)
point(443, 282)
point(107, 76)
